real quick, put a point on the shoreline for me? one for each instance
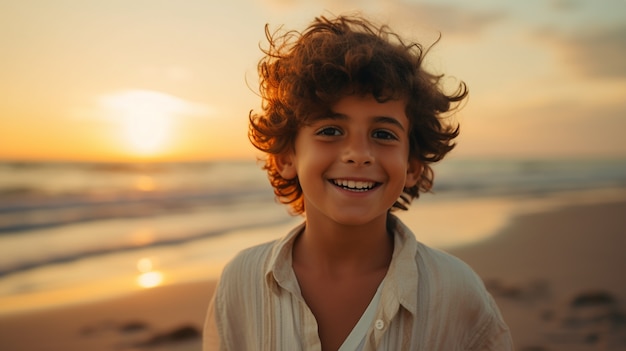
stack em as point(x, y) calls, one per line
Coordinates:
point(536, 267)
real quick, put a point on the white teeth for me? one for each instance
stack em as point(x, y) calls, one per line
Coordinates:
point(354, 185)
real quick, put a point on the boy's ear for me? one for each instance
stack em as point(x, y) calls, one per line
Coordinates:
point(285, 165)
point(413, 172)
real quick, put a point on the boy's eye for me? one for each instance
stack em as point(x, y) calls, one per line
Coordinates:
point(328, 131)
point(383, 134)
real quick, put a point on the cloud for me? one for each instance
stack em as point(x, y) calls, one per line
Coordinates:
point(594, 52)
point(147, 101)
point(123, 103)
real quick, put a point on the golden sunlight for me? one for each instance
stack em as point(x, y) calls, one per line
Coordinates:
point(148, 118)
point(145, 183)
point(144, 265)
point(148, 277)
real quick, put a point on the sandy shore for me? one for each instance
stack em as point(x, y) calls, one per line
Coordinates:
point(163, 318)
point(557, 276)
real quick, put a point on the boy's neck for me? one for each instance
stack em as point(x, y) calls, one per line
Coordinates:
point(334, 249)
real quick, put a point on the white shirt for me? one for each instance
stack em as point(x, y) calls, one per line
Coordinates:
point(429, 301)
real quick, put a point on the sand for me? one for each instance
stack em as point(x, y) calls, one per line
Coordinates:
point(558, 278)
point(124, 323)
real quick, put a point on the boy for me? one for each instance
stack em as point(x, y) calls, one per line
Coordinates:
point(350, 125)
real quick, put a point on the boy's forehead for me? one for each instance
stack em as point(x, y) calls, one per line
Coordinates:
point(327, 106)
point(390, 111)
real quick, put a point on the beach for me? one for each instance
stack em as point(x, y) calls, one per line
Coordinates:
point(557, 276)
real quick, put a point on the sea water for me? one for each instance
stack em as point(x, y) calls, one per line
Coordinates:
point(71, 232)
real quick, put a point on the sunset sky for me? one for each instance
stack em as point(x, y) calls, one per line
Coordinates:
point(119, 80)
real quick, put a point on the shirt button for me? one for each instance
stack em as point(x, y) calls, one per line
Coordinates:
point(379, 324)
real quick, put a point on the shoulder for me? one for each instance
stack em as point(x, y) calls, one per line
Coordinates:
point(457, 286)
point(238, 300)
point(433, 271)
point(448, 269)
point(433, 266)
point(248, 265)
point(460, 297)
point(239, 291)
point(246, 274)
point(452, 286)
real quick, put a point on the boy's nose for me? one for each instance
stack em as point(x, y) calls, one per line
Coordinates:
point(358, 152)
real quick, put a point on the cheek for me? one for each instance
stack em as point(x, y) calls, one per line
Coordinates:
point(399, 165)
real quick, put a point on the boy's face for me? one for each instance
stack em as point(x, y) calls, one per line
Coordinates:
point(354, 164)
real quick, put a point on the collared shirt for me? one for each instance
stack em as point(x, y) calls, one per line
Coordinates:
point(430, 301)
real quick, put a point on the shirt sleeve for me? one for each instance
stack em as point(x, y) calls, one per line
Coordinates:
point(497, 339)
point(496, 335)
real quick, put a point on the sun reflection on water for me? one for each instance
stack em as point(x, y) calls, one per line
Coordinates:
point(148, 278)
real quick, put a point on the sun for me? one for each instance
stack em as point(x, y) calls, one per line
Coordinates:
point(147, 131)
point(147, 119)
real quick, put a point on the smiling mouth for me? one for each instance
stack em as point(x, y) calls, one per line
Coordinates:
point(354, 185)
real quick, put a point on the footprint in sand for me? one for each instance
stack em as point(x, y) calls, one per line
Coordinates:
point(592, 318)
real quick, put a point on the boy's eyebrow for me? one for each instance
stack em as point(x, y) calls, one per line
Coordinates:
point(389, 120)
point(377, 119)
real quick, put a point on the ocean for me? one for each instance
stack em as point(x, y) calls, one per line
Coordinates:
point(72, 232)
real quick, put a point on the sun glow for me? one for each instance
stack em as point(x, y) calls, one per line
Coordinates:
point(147, 133)
point(148, 278)
point(148, 118)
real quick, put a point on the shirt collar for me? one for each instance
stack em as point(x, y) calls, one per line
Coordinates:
point(401, 278)
point(279, 271)
point(402, 275)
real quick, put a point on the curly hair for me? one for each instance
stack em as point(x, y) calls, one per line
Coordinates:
point(303, 74)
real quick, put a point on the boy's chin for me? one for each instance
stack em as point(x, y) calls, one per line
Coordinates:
point(358, 219)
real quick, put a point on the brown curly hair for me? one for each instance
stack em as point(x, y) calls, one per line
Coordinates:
point(304, 73)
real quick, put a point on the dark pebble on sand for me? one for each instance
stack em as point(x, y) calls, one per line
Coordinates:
point(183, 333)
point(593, 298)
